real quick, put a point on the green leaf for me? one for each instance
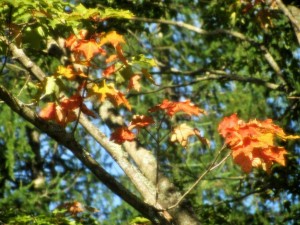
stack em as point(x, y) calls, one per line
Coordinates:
point(140, 220)
point(113, 13)
point(51, 86)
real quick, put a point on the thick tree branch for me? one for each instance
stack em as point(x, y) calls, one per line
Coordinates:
point(67, 139)
point(145, 187)
point(291, 12)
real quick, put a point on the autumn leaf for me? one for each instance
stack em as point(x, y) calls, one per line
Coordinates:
point(108, 71)
point(182, 133)
point(252, 143)
point(113, 38)
point(102, 90)
point(139, 121)
point(48, 112)
point(72, 207)
point(174, 107)
point(72, 41)
point(107, 91)
point(111, 58)
point(66, 72)
point(119, 99)
point(63, 113)
point(134, 83)
point(148, 76)
point(122, 134)
point(88, 48)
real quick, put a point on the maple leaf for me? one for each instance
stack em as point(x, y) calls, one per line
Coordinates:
point(119, 99)
point(88, 48)
point(63, 113)
point(139, 121)
point(182, 133)
point(108, 71)
point(48, 112)
point(72, 41)
point(107, 91)
point(174, 107)
point(113, 38)
point(67, 72)
point(122, 134)
point(102, 90)
point(111, 58)
point(72, 207)
point(134, 83)
point(252, 143)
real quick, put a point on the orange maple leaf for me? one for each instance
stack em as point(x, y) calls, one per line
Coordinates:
point(122, 134)
point(63, 113)
point(173, 107)
point(182, 133)
point(119, 99)
point(88, 48)
point(108, 71)
point(72, 41)
point(72, 207)
point(252, 143)
point(139, 121)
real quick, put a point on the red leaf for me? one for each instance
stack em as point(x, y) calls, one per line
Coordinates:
point(122, 134)
point(64, 112)
point(173, 107)
point(139, 121)
point(108, 71)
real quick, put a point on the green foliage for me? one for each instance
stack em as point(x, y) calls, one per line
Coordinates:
point(215, 70)
point(13, 216)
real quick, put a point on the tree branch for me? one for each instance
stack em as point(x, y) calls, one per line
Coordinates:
point(139, 180)
point(214, 75)
point(143, 185)
point(268, 56)
point(291, 12)
point(67, 139)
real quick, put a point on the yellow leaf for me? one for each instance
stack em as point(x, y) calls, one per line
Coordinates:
point(102, 90)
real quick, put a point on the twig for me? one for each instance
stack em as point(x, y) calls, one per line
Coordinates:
point(211, 167)
point(215, 75)
point(269, 58)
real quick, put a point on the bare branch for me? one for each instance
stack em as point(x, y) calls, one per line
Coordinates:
point(291, 13)
point(213, 75)
point(269, 58)
point(211, 167)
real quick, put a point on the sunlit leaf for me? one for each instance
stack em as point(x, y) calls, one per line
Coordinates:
point(139, 121)
point(174, 107)
point(182, 133)
point(252, 143)
point(134, 83)
point(122, 134)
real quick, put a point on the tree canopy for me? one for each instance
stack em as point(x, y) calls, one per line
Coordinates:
point(149, 112)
